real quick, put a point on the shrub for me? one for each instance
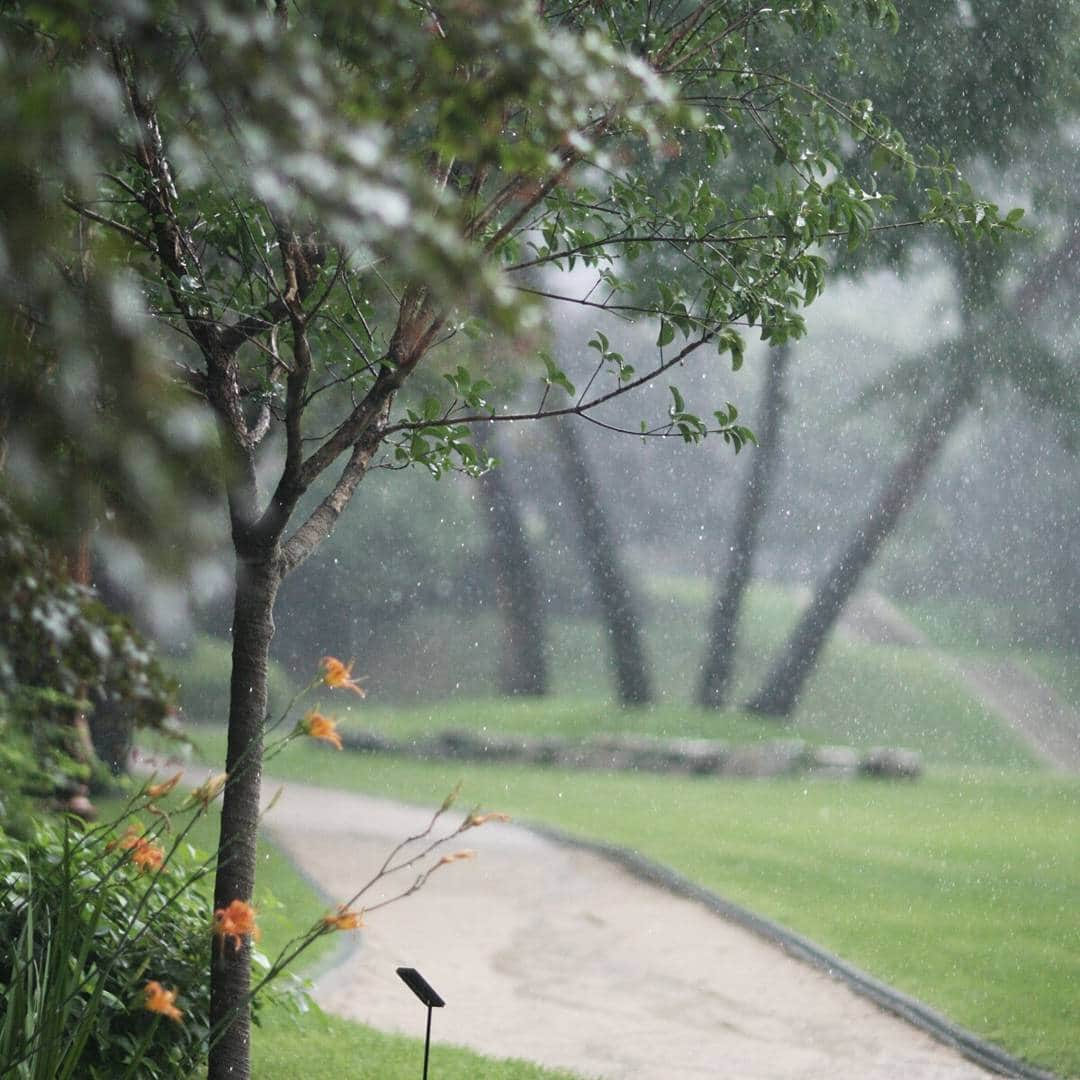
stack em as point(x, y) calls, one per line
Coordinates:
point(82, 931)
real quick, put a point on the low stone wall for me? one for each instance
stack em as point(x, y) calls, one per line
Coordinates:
point(642, 753)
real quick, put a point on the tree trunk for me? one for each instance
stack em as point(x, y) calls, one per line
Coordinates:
point(780, 692)
point(611, 586)
point(723, 630)
point(257, 584)
point(522, 662)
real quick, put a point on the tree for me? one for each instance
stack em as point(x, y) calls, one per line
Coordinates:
point(523, 668)
point(611, 587)
point(719, 660)
point(994, 67)
point(964, 365)
point(276, 207)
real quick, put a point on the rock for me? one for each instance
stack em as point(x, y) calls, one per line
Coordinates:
point(549, 750)
point(459, 743)
point(832, 761)
point(778, 758)
point(370, 742)
point(894, 764)
point(700, 757)
point(647, 752)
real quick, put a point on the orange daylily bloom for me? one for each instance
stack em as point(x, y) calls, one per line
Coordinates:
point(208, 791)
point(340, 676)
point(145, 854)
point(321, 727)
point(457, 856)
point(236, 921)
point(157, 791)
point(160, 1000)
point(345, 919)
point(475, 819)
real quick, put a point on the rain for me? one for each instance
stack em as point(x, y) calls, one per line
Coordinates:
point(540, 540)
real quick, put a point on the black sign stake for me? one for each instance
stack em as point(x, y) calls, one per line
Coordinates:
point(423, 990)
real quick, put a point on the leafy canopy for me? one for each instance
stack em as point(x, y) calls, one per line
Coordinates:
point(283, 212)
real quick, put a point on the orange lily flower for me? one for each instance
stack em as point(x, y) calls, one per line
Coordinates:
point(236, 921)
point(160, 1000)
point(476, 818)
point(145, 854)
point(345, 919)
point(156, 791)
point(457, 856)
point(340, 676)
point(321, 727)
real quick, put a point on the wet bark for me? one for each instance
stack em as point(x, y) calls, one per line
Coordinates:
point(785, 681)
point(724, 625)
point(611, 584)
point(257, 582)
point(522, 661)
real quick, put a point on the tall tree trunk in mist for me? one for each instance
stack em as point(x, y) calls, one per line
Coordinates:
point(522, 662)
point(783, 685)
point(723, 629)
point(611, 585)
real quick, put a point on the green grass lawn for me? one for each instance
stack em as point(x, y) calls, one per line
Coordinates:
point(861, 695)
point(971, 628)
point(959, 889)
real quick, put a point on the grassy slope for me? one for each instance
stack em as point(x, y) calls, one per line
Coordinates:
point(862, 695)
point(959, 889)
point(974, 629)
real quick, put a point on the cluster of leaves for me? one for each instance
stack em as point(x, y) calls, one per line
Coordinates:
point(61, 651)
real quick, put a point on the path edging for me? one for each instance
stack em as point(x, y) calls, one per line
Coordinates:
point(972, 1046)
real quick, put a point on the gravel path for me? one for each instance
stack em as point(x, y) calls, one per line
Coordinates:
point(560, 957)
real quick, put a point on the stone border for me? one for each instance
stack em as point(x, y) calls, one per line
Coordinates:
point(642, 753)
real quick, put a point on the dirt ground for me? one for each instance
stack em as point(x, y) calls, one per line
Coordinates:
point(559, 957)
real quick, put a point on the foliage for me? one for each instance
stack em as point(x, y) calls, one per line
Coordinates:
point(98, 928)
point(61, 652)
point(83, 931)
point(324, 154)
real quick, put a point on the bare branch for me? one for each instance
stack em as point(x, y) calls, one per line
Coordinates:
point(116, 226)
point(324, 517)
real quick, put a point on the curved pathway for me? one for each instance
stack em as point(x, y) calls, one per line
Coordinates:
point(559, 956)
point(1049, 725)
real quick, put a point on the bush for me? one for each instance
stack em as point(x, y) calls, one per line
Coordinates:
point(82, 931)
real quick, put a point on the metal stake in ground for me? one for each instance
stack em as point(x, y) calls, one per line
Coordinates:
point(423, 990)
